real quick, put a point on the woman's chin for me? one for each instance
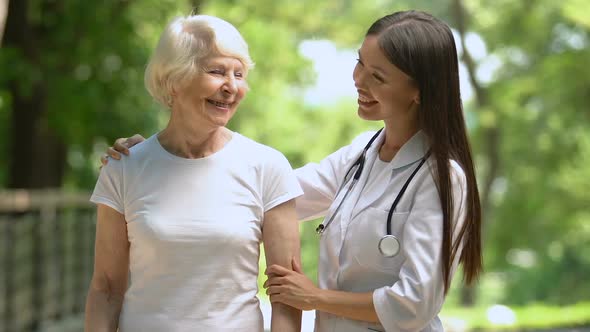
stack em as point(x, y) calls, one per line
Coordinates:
point(368, 116)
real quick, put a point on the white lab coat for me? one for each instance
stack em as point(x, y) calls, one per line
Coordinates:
point(408, 288)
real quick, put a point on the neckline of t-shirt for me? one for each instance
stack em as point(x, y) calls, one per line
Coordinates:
point(219, 154)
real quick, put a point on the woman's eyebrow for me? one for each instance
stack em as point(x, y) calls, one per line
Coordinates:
point(377, 68)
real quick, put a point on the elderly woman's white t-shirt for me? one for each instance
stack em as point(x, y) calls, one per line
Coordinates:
point(194, 228)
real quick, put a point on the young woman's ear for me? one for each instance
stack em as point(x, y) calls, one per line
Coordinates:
point(417, 98)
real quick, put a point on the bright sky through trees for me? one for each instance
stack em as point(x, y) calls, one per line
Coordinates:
point(333, 68)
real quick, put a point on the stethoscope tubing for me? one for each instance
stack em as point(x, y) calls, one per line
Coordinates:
point(388, 239)
point(360, 163)
point(402, 191)
point(321, 227)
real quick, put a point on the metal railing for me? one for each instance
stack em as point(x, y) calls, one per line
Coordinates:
point(46, 256)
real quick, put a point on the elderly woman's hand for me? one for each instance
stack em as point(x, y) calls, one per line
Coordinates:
point(121, 146)
point(291, 287)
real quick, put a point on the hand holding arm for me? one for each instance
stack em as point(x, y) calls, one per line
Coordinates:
point(295, 289)
point(291, 287)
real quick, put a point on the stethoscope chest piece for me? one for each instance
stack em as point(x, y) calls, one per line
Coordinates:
point(389, 246)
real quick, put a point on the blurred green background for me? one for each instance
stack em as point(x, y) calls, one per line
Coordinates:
point(71, 81)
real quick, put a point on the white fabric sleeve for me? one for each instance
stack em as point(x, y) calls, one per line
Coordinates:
point(416, 299)
point(279, 182)
point(109, 187)
point(320, 182)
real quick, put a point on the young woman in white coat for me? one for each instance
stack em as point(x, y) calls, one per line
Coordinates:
point(401, 206)
point(375, 276)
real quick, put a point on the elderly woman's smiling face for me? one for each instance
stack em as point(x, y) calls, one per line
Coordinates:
point(213, 95)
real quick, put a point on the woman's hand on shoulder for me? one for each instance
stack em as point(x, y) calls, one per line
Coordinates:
point(121, 146)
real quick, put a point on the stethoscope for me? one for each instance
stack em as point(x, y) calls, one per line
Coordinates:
point(389, 245)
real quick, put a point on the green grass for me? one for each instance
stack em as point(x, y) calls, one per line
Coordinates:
point(537, 316)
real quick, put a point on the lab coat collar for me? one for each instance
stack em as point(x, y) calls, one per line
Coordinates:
point(414, 149)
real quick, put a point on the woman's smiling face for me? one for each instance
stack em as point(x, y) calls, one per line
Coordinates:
point(384, 91)
point(214, 94)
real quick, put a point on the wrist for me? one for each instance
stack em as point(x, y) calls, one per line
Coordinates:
point(319, 299)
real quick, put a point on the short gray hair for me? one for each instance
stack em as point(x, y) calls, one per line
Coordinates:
point(183, 45)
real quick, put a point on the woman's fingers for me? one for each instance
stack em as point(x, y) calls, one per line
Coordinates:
point(275, 290)
point(119, 147)
point(135, 139)
point(104, 159)
point(275, 281)
point(114, 153)
point(276, 270)
point(123, 144)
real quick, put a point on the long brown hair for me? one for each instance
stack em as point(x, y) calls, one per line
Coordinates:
point(423, 47)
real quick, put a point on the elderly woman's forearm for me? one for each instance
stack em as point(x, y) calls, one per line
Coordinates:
point(285, 318)
point(102, 311)
point(281, 245)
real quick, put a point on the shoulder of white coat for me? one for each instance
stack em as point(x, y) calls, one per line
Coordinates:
point(362, 139)
point(459, 182)
point(348, 153)
point(458, 177)
point(457, 173)
point(358, 144)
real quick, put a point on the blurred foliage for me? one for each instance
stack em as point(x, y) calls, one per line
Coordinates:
point(536, 227)
point(537, 224)
point(530, 318)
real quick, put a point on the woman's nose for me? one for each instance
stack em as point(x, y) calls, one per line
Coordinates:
point(358, 77)
point(230, 86)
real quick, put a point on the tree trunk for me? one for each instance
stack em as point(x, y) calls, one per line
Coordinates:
point(3, 12)
point(37, 155)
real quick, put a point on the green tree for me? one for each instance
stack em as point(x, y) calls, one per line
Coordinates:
point(71, 72)
point(530, 122)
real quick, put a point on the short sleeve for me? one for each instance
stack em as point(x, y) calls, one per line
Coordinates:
point(109, 187)
point(279, 183)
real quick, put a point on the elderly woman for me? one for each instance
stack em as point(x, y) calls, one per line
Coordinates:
point(183, 217)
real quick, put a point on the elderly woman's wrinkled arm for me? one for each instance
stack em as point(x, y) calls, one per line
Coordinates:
point(280, 235)
point(111, 265)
